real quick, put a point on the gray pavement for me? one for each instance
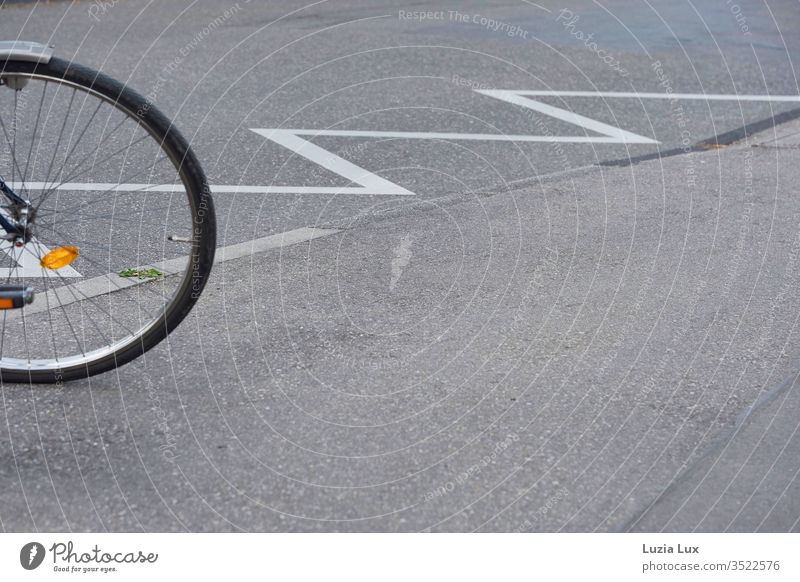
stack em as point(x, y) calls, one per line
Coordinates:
point(543, 338)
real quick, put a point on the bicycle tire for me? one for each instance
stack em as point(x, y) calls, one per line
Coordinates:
point(203, 243)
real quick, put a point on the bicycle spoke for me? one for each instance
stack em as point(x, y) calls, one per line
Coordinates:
point(75, 146)
point(107, 269)
point(96, 217)
point(15, 166)
point(108, 182)
point(35, 129)
point(78, 300)
point(71, 177)
point(53, 334)
point(14, 127)
point(113, 188)
point(60, 137)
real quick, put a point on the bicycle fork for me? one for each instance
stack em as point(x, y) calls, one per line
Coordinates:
point(14, 296)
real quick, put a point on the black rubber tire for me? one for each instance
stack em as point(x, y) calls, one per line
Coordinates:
point(200, 201)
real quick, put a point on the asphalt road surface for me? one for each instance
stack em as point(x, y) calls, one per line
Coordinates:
point(552, 285)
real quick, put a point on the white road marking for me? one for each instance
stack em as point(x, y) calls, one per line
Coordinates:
point(26, 259)
point(370, 183)
point(467, 136)
point(688, 96)
point(519, 98)
point(349, 190)
point(111, 282)
point(97, 186)
point(275, 241)
point(216, 189)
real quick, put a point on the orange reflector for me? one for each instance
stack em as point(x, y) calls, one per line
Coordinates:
point(60, 257)
point(6, 304)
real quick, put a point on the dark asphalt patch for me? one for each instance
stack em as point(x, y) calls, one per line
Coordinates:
point(721, 140)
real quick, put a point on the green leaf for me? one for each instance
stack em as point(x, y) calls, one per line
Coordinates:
point(141, 273)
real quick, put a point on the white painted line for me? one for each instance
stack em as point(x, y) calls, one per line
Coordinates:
point(98, 186)
point(333, 190)
point(68, 294)
point(465, 136)
point(216, 189)
point(370, 183)
point(111, 282)
point(26, 259)
point(373, 184)
point(275, 241)
point(518, 98)
point(699, 96)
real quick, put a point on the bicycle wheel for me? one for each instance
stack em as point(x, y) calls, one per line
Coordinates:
point(111, 179)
